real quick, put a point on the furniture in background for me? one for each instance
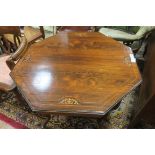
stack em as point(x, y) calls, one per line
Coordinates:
point(124, 36)
point(136, 41)
point(2, 47)
point(146, 107)
point(31, 34)
point(75, 28)
point(53, 30)
point(8, 61)
point(6, 46)
point(76, 73)
point(48, 30)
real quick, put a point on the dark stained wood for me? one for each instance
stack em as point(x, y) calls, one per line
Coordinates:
point(83, 73)
point(6, 46)
point(75, 28)
point(146, 110)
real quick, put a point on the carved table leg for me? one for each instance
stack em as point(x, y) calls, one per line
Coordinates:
point(44, 123)
point(101, 122)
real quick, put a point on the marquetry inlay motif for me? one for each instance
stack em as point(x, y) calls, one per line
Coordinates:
point(69, 101)
point(27, 58)
point(79, 73)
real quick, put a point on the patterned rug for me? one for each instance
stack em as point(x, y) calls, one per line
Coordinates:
point(8, 123)
point(14, 114)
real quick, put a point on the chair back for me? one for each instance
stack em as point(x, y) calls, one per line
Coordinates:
point(8, 61)
point(10, 30)
point(11, 61)
point(15, 31)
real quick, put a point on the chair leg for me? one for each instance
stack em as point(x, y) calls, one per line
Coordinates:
point(2, 47)
point(7, 46)
point(1, 100)
point(6, 98)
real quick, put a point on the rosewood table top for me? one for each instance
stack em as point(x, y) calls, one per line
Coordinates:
point(83, 73)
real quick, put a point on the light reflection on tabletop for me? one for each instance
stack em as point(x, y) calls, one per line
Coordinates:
point(42, 80)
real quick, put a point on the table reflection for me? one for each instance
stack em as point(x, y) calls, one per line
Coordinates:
point(42, 80)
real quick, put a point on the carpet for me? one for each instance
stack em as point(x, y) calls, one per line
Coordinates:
point(15, 114)
point(8, 123)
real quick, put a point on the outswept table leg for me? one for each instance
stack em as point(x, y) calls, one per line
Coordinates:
point(44, 123)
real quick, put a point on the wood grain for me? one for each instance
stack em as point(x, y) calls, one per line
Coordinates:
point(83, 73)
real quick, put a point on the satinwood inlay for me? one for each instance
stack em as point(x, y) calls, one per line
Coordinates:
point(84, 73)
point(69, 101)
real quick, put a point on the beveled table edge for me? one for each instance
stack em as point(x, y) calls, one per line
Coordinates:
point(78, 113)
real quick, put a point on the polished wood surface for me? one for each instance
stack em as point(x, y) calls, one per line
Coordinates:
point(10, 30)
point(84, 73)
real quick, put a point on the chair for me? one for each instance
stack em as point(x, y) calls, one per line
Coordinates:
point(31, 34)
point(6, 46)
point(124, 36)
point(8, 61)
point(136, 41)
point(48, 30)
point(2, 49)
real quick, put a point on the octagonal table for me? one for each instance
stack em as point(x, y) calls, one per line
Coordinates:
point(76, 73)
